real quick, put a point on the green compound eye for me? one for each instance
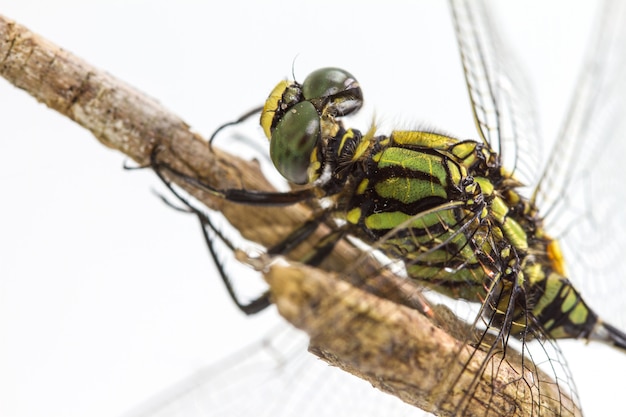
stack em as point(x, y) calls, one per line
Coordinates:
point(338, 89)
point(293, 141)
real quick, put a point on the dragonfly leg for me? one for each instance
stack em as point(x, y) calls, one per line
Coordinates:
point(313, 257)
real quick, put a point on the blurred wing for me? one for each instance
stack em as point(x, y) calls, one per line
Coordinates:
point(502, 104)
point(273, 377)
point(500, 94)
point(582, 190)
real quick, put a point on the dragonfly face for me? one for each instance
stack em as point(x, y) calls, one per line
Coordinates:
point(296, 117)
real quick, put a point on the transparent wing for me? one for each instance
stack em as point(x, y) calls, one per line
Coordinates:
point(499, 91)
point(273, 377)
point(582, 190)
point(488, 351)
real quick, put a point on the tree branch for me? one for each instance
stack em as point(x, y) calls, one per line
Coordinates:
point(394, 347)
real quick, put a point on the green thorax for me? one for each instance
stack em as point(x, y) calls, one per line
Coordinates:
point(439, 204)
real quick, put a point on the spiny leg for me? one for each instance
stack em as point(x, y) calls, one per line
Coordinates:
point(241, 119)
point(250, 307)
point(313, 257)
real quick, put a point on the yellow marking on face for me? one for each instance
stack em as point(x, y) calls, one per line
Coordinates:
point(271, 105)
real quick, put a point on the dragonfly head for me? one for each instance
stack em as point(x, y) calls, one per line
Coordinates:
point(296, 117)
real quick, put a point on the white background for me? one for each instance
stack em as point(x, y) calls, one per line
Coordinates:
point(108, 296)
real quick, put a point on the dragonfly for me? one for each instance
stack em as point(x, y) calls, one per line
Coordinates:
point(470, 219)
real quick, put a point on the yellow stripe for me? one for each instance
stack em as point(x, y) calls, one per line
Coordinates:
point(271, 104)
